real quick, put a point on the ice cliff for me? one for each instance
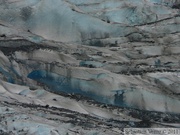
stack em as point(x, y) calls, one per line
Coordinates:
point(73, 54)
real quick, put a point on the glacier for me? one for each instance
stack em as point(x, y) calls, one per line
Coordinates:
point(79, 24)
point(86, 66)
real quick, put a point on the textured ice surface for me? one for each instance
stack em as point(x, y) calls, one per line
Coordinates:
point(77, 21)
point(71, 66)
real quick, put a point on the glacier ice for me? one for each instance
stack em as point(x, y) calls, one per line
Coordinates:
point(68, 22)
point(83, 65)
